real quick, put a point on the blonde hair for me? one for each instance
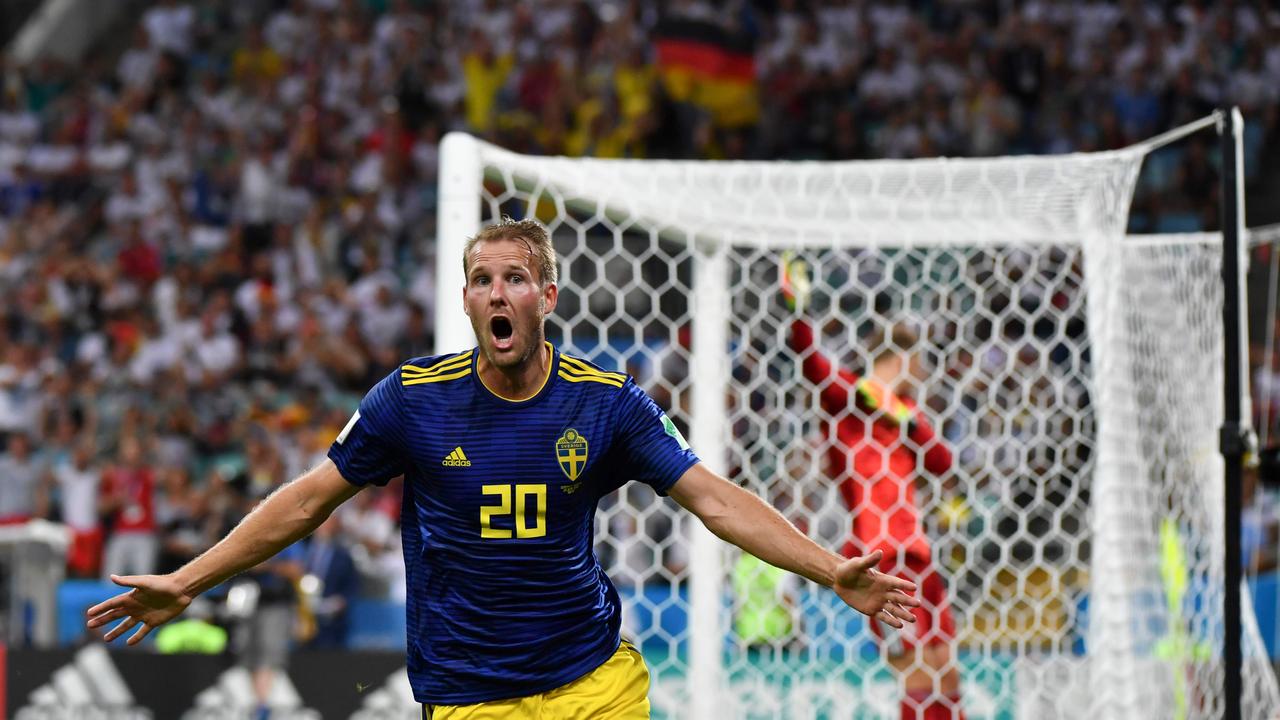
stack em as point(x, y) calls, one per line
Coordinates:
point(528, 230)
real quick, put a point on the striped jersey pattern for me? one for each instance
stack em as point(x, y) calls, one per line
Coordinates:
point(506, 597)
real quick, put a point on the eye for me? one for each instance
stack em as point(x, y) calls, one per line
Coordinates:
point(480, 280)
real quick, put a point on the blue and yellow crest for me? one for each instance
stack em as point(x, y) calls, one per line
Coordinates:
point(571, 452)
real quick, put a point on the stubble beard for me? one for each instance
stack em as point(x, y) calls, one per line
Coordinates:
point(519, 355)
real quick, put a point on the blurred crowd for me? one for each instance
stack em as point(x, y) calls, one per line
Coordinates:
point(216, 236)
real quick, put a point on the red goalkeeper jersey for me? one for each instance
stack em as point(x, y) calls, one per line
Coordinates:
point(880, 443)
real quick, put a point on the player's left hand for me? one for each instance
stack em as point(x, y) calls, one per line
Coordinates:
point(873, 593)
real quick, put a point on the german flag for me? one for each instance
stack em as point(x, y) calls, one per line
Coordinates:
point(706, 65)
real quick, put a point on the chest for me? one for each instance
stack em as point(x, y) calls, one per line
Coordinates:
point(548, 443)
point(512, 471)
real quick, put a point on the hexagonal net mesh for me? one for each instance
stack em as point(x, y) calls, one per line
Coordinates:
point(1071, 375)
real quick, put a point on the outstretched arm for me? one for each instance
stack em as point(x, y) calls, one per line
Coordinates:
point(739, 517)
point(286, 516)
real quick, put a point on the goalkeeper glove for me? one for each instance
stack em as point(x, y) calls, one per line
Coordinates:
point(793, 274)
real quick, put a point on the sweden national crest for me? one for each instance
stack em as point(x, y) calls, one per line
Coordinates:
point(571, 452)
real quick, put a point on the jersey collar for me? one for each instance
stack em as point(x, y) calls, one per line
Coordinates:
point(547, 382)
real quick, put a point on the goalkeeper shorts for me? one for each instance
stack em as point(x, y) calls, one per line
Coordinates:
point(617, 689)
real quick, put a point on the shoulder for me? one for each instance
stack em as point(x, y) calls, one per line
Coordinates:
point(434, 369)
point(589, 375)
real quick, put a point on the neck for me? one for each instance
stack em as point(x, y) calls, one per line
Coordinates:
point(887, 377)
point(518, 382)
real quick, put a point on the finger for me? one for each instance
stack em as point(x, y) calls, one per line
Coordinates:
point(887, 618)
point(857, 566)
point(903, 598)
point(120, 629)
point(104, 606)
point(106, 617)
point(141, 633)
point(869, 560)
point(900, 612)
point(132, 581)
point(905, 587)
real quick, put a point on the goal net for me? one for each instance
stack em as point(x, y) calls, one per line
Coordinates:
point(1074, 373)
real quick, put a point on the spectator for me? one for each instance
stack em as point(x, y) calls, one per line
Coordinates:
point(217, 352)
point(79, 481)
point(329, 563)
point(170, 26)
point(23, 494)
point(256, 62)
point(128, 488)
point(485, 72)
point(19, 389)
point(181, 519)
point(262, 640)
point(384, 319)
point(137, 67)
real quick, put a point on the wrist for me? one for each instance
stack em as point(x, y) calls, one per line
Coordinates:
point(827, 570)
point(189, 583)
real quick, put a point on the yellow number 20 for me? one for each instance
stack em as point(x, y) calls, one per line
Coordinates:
point(503, 507)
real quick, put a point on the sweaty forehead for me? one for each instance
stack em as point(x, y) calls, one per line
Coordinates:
point(503, 253)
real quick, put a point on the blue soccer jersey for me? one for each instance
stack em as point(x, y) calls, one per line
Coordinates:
point(506, 597)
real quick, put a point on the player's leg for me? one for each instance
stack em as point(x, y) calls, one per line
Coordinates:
point(273, 627)
point(920, 653)
point(937, 652)
point(617, 690)
point(113, 557)
point(938, 658)
point(930, 683)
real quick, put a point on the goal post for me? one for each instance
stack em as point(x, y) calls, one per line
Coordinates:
point(1074, 372)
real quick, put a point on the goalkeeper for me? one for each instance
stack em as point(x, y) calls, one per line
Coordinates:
point(881, 445)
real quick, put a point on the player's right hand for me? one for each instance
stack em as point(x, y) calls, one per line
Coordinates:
point(875, 594)
point(153, 601)
point(793, 277)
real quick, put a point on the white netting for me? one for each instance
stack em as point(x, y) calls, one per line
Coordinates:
point(1075, 374)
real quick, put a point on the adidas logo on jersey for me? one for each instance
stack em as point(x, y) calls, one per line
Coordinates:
point(457, 458)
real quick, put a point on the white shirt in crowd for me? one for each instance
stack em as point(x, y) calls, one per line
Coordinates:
point(217, 353)
point(169, 27)
point(78, 489)
point(137, 67)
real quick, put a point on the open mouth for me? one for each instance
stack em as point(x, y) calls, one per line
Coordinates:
point(502, 331)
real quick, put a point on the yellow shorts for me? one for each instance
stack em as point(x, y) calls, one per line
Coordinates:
point(618, 689)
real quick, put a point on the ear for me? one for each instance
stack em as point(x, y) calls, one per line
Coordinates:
point(550, 294)
point(466, 310)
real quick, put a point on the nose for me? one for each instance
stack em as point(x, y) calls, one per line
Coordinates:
point(498, 292)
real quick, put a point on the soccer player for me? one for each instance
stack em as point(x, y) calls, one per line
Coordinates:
point(506, 449)
point(882, 445)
